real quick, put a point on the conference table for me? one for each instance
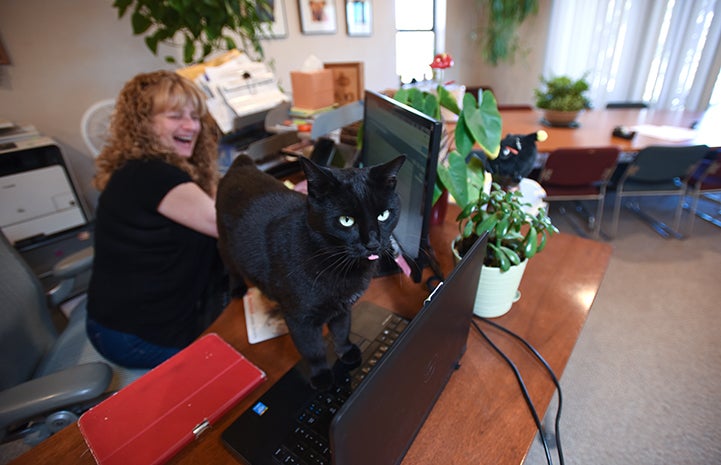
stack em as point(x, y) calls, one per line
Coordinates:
point(481, 416)
point(595, 128)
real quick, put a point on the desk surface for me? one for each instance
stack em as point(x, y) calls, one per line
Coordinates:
point(558, 289)
point(596, 126)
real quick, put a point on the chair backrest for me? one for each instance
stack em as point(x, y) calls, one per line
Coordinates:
point(662, 163)
point(26, 328)
point(709, 170)
point(579, 167)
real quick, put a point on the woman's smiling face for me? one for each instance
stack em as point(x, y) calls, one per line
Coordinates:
point(178, 129)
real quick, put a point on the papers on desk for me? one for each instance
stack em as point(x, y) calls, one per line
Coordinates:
point(666, 133)
point(262, 321)
point(239, 87)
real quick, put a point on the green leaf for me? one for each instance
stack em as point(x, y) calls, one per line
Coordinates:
point(448, 100)
point(188, 50)
point(513, 257)
point(488, 224)
point(503, 262)
point(530, 246)
point(463, 138)
point(454, 178)
point(122, 6)
point(140, 22)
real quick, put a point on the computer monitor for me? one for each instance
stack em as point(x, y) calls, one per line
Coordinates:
point(391, 128)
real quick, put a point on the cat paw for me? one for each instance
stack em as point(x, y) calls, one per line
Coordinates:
point(352, 356)
point(322, 381)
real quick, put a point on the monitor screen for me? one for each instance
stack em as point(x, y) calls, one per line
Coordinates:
point(391, 128)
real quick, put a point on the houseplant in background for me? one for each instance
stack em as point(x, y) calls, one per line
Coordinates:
point(562, 98)
point(203, 27)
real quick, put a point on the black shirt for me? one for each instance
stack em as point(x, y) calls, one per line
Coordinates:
point(149, 272)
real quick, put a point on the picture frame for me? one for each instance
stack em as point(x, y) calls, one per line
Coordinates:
point(276, 26)
point(317, 16)
point(348, 81)
point(359, 18)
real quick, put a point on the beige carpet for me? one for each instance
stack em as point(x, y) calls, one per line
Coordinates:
point(643, 385)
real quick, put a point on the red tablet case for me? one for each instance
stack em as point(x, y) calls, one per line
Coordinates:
point(151, 419)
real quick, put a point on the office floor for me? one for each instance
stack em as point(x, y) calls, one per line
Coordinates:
point(642, 385)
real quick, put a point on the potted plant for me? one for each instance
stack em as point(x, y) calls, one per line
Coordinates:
point(562, 98)
point(203, 27)
point(478, 128)
point(515, 234)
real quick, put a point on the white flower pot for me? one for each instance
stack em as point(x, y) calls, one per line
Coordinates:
point(497, 290)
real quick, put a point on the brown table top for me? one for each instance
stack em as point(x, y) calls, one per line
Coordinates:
point(596, 127)
point(481, 416)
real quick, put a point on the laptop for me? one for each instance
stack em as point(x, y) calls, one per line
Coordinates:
point(375, 411)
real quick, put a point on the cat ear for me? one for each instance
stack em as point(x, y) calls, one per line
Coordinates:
point(387, 172)
point(317, 176)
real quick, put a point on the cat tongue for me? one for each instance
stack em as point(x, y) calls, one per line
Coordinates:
point(373, 257)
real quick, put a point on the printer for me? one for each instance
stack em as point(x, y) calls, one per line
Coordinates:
point(41, 212)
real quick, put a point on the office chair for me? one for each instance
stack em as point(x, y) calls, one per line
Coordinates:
point(705, 181)
point(47, 379)
point(579, 175)
point(658, 171)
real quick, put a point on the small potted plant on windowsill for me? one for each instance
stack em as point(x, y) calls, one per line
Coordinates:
point(562, 99)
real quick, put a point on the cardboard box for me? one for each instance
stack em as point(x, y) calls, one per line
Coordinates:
point(312, 89)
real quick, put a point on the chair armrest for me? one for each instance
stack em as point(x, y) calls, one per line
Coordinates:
point(66, 270)
point(62, 389)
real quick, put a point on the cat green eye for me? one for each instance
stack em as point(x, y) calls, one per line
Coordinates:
point(346, 221)
point(384, 216)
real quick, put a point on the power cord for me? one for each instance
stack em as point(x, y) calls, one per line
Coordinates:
point(524, 390)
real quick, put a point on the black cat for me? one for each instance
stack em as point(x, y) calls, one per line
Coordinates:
point(313, 254)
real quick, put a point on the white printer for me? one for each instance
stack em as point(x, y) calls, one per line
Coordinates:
point(41, 212)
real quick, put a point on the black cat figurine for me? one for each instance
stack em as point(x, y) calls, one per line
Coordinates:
point(516, 158)
point(313, 254)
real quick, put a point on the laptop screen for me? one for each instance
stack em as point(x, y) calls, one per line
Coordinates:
point(380, 420)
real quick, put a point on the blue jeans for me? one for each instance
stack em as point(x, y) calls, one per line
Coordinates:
point(126, 349)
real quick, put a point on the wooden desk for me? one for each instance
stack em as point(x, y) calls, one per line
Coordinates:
point(596, 127)
point(481, 417)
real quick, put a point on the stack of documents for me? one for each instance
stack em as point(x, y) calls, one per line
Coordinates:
point(239, 87)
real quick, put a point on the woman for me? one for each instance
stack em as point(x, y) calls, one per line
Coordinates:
point(156, 274)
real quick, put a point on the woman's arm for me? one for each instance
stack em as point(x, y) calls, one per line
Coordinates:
point(190, 206)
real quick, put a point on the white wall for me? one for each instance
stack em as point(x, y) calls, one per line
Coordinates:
point(68, 54)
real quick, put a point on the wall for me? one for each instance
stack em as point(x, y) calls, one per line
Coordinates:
point(68, 54)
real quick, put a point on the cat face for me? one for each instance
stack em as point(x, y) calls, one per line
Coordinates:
point(355, 209)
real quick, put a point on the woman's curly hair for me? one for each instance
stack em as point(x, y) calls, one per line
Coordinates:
point(131, 129)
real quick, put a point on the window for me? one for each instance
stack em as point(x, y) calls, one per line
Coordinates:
point(415, 39)
point(662, 52)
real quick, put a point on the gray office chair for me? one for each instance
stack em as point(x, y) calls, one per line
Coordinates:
point(47, 379)
point(658, 171)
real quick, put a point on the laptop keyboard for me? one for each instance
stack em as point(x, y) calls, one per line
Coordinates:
point(308, 442)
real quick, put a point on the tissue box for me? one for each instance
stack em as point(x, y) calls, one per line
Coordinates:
point(312, 89)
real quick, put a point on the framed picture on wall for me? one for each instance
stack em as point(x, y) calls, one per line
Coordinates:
point(317, 16)
point(276, 26)
point(358, 17)
point(348, 85)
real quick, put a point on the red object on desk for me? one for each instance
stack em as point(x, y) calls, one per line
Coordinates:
point(151, 419)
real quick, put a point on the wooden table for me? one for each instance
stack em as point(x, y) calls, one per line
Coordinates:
point(596, 127)
point(481, 417)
